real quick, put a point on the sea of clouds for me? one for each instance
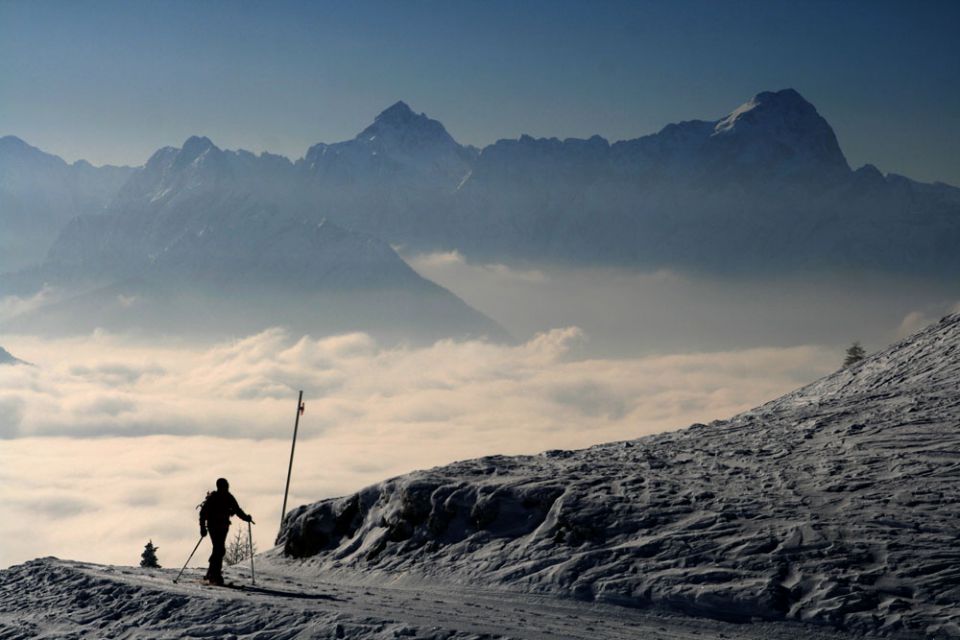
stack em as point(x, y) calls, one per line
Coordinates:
point(108, 442)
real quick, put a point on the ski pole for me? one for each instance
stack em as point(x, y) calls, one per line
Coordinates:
point(253, 576)
point(188, 560)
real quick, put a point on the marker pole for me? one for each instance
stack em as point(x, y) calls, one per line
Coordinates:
point(293, 447)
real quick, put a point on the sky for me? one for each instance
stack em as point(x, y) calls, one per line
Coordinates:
point(113, 81)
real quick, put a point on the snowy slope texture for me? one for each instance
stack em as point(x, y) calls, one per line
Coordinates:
point(50, 598)
point(39, 193)
point(838, 504)
point(207, 241)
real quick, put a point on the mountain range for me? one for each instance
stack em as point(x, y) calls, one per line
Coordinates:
point(40, 193)
point(765, 189)
point(205, 242)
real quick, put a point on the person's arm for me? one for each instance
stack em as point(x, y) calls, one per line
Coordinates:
point(237, 510)
point(203, 519)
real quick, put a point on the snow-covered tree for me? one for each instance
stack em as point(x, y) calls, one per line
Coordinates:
point(855, 353)
point(238, 550)
point(148, 558)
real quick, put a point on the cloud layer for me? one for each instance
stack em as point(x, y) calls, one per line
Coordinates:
point(108, 386)
point(627, 312)
point(109, 442)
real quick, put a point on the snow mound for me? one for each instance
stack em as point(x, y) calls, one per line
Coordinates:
point(836, 504)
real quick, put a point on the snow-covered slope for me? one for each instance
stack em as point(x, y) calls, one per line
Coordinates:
point(50, 598)
point(838, 504)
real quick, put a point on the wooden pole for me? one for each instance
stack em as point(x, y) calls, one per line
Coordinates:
point(293, 447)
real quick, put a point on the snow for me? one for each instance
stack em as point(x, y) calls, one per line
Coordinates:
point(51, 598)
point(834, 505)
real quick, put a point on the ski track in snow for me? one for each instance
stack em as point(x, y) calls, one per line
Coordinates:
point(50, 598)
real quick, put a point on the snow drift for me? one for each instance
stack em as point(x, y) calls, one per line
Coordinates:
point(836, 504)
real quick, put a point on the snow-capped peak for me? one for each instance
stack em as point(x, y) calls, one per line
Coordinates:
point(785, 102)
point(780, 129)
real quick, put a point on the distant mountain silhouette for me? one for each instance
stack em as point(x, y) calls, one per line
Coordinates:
point(765, 188)
point(39, 193)
point(7, 358)
point(202, 241)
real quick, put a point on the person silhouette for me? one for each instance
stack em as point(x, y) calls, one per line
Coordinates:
point(215, 514)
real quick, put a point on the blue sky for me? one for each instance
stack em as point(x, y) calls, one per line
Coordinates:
point(113, 81)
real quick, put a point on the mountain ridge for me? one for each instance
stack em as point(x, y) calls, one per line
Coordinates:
point(7, 358)
point(209, 242)
point(764, 188)
point(40, 192)
point(400, 112)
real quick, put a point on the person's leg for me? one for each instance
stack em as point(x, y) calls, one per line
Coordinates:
point(213, 553)
point(218, 537)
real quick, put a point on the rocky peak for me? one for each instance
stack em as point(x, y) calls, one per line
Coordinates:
point(780, 131)
point(194, 148)
point(785, 105)
point(400, 126)
point(398, 113)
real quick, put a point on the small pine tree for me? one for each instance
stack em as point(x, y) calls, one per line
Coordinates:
point(148, 558)
point(855, 354)
point(238, 550)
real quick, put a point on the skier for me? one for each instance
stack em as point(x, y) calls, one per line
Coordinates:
point(215, 515)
